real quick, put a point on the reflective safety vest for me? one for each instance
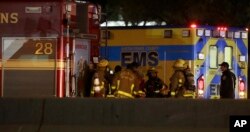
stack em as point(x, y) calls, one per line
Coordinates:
point(189, 94)
point(99, 85)
point(177, 80)
point(124, 83)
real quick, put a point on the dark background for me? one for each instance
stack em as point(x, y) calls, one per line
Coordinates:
point(234, 13)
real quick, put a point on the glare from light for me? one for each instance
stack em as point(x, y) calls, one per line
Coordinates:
point(241, 94)
point(200, 92)
point(122, 24)
point(193, 26)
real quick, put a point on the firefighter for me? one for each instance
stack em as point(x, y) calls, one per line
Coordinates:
point(88, 76)
point(154, 86)
point(181, 81)
point(140, 82)
point(189, 83)
point(100, 81)
point(127, 82)
point(117, 70)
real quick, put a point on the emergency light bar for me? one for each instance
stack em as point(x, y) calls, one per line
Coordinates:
point(222, 28)
point(193, 25)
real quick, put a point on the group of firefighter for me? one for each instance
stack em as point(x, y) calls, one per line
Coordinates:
point(129, 82)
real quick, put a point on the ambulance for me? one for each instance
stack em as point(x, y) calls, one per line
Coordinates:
point(202, 47)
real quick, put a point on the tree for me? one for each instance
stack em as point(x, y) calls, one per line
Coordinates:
point(181, 12)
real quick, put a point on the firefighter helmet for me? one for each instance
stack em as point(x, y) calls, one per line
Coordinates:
point(180, 63)
point(151, 70)
point(103, 63)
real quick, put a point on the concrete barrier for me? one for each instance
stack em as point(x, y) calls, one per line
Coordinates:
point(91, 114)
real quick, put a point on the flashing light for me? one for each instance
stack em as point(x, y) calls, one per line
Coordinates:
point(193, 25)
point(200, 92)
point(242, 94)
point(201, 86)
point(222, 28)
point(201, 83)
point(246, 29)
point(242, 86)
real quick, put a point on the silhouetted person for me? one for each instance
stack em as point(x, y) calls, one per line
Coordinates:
point(227, 82)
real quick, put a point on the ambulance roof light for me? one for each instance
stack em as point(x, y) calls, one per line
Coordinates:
point(222, 28)
point(193, 25)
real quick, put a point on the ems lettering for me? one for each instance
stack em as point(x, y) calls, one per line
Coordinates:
point(240, 123)
point(153, 59)
point(140, 58)
point(8, 17)
point(143, 58)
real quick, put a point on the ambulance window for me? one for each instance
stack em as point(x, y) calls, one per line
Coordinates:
point(185, 33)
point(230, 34)
point(216, 33)
point(168, 34)
point(199, 32)
point(213, 53)
point(244, 35)
point(228, 56)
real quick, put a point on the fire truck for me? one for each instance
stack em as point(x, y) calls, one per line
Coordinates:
point(43, 44)
point(202, 47)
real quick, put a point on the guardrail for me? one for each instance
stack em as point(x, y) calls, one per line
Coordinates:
point(92, 114)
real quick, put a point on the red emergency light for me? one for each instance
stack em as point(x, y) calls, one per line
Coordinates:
point(201, 83)
point(201, 86)
point(241, 87)
point(241, 84)
point(193, 25)
point(222, 28)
